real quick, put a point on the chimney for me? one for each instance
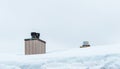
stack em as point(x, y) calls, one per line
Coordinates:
point(35, 35)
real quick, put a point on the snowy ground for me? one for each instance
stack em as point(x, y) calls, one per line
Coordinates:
point(96, 57)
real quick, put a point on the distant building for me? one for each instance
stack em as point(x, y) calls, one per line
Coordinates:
point(34, 45)
point(85, 44)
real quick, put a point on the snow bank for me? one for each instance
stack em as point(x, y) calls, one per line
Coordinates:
point(97, 57)
point(3, 66)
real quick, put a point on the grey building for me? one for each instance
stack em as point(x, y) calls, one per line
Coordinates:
point(85, 44)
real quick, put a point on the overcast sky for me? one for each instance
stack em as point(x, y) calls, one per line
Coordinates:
point(62, 23)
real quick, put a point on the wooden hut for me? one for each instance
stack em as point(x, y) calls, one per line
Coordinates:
point(35, 45)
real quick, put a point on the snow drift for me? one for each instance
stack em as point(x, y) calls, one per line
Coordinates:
point(96, 57)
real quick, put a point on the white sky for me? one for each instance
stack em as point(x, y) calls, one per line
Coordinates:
point(62, 23)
